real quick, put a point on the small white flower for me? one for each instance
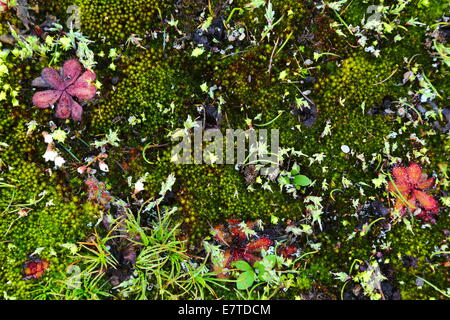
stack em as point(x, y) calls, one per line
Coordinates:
point(393, 135)
point(138, 186)
point(362, 41)
point(49, 203)
point(327, 129)
point(132, 120)
point(103, 166)
point(50, 155)
point(59, 161)
point(318, 157)
point(81, 169)
point(47, 137)
point(370, 49)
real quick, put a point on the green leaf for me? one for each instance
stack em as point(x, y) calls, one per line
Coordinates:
point(261, 270)
point(242, 265)
point(201, 281)
point(270, 261)
point(245, 280)
point(258, 265)
point(295, 169)
point(301, 181)
point(283, 75)
point(204, 87)
point(198, 51)
point(284, 180)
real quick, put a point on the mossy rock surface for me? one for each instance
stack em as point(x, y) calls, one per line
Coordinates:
point(156, 81)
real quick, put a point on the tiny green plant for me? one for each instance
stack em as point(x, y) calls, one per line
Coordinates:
point(293, 179)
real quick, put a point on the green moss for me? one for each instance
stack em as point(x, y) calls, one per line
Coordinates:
point(292, 16)
point(421, 245)
point(146, 88)
point(343, 100)
point(39, 209)
point(117, 20)
point(57, 218)
point(246, 82)
point(160, 86)
point(207, 195)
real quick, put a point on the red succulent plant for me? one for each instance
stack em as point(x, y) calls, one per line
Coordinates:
point(410, 183)
point(34, 269)
point(97, 192)
point(70, 82)
point(287, 251)
point(239, 247)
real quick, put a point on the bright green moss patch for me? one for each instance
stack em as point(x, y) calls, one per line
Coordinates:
point(37, 218)
point(147, 90)
point(116, 21)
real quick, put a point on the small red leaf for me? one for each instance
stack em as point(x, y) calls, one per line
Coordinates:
point(83, 88)
point(259, 244)
point(287, 251)
point(237, 232)
point(52, 77)
point(70, 71)
point(45, 99)
point(76, 110)
point(400, 175)
point(39, 82)
point(399, 205)
point(401, 187)
point(412, 202)
point(220, 234)
point(35, 269)
point(250, 257)
point(426, 183)
point(426, 201)
point(414, 173)
point(63, 110)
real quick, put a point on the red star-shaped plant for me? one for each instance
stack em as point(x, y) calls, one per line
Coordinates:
point(34, 269)
point(64, 86)
point(238, 245)
point(409, 187)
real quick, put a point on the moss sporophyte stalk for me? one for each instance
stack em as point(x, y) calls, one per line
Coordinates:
point(253, 149)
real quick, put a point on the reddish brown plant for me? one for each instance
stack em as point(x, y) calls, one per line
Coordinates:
point(239, 247)
point(97, 192)
point(34, 269)
point(410, 185)
point(287, 251)
point(64, 86)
